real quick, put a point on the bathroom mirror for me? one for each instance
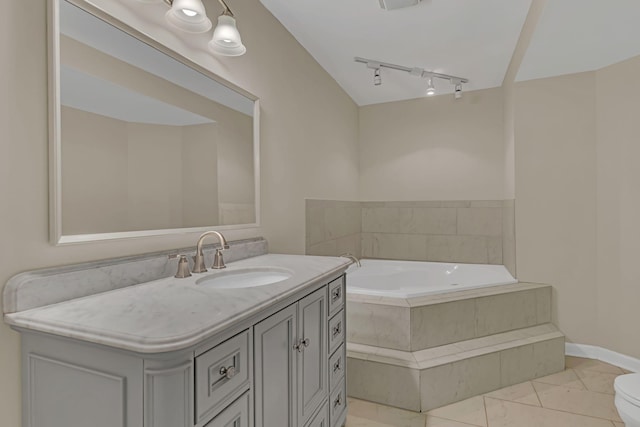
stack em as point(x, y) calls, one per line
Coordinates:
point(143, 142)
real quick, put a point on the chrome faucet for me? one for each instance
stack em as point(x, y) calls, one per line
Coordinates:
point(352, 258)
point(198, 259)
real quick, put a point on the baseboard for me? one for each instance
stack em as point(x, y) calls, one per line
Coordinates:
point(593, 352)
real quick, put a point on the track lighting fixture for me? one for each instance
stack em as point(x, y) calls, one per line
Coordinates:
point(377, 79)
point(190, 16)
point(415, 71)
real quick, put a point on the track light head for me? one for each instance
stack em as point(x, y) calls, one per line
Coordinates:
point(377, 79)
point(431, 90)
point(458, 92)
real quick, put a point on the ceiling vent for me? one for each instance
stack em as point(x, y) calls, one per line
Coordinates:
point(397, 4)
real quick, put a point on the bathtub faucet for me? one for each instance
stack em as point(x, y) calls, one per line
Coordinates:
point(352, 258)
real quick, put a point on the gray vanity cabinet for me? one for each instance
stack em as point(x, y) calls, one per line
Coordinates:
point(284, 367)
point(291, 380)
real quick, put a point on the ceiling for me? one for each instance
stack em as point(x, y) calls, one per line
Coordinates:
point(573, 36)
point(467, 38)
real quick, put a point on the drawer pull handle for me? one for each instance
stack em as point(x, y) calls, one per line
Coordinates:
point(335, 294)
point(338, 401)
point(336, 366)
point(229, 372)
point(305, 342)
point(337, 329)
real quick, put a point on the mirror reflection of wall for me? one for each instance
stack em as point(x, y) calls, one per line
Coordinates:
point(141, 150)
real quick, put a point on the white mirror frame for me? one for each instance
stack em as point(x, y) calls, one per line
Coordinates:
point(55, 141)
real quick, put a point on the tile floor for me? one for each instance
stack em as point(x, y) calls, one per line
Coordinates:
point(580, 396)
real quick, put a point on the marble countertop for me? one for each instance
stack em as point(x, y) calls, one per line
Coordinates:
point(173, 314)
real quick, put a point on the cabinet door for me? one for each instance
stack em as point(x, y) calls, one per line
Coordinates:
point(275, 370)
point(312, 353)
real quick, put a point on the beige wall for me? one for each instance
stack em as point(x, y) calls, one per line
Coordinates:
point(555, 157)
point(434, 148)
point(154, 185)
point(308, 123)
point(95, 171)
point(199, 171)
point(124, 176)
point(618, 207)
point(577, 202)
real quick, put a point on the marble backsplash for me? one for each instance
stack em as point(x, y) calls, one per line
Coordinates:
point(48, 286)
point(479, 231)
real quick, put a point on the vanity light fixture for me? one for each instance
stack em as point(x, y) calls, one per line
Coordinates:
point(418, 72)
point(190, 16)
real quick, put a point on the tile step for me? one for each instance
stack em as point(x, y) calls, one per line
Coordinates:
point(427, 379)
point(452, 296)
point(438, 320)
point(436, 356)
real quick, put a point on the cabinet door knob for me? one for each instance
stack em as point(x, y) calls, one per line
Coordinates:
point(337, 329)
point(335, 294)
point(301, 345)
point(229, 372)
point(338, 401)
point(336, 366)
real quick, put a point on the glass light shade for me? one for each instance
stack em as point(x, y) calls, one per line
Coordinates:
point(189, 16)
point(226, 38)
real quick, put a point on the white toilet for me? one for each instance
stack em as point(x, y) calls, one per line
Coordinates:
point(627, 389)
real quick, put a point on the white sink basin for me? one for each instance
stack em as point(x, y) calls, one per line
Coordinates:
point(245, 278)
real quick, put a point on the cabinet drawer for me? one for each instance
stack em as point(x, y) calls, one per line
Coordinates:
point(337, 404)
point(221, 372)
point(235, 415)
point(337, 364)
point(336, 331)
point(336, 295)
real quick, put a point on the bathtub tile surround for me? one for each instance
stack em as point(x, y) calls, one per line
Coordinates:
point(49, 286)
point(479, 231)
point(332, 227)
point(558, 400)
point(456, 231)
point(434, 320)
point(460, 344)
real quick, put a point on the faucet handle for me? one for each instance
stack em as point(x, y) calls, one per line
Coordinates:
point(218, 261)
point(183, 267)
